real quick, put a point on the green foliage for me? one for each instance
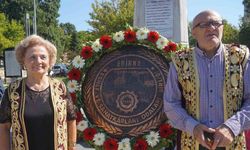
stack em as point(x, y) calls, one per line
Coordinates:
point(47, 24)
point(245, 26)
point(68, 28)
point(247, 4)
point(110, 16)
point(191, 39)
point(77, 41)
point(47, 14)
point(230, 34)
point(11, 32)
point(16, 9)
point(85, 36)
point(74, 44)
point(244, 34)
point(71, 39)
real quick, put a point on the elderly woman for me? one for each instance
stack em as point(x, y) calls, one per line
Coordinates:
point(37, 107)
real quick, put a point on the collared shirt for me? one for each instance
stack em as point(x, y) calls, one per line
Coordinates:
point(211, 78)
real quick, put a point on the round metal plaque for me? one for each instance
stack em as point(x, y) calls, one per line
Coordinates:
point(123, 91)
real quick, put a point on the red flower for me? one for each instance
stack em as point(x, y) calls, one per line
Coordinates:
point(73, 97)
point(130, 35)
point(167, 49)
point(89, 133)
point(74, 74)
point(86, 52)
point(153, 36)
point(165, 130)
point(106, 41)
point(79, 116)
point(110, 144)
point(140, 145)
point(172, 46)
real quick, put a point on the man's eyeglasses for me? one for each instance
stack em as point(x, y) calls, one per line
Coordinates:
point(208, 24)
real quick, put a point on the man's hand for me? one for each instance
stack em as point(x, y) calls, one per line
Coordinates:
point(223, 137)
point(199, 135)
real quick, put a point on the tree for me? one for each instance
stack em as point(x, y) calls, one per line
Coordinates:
point(16, 9)
point(11, 32)
point(245, 26)
point(47, 24)
point(68, 28)
point(244, 34)
point(111, 16)
point(71, 39)
point(191, 39)
point(230, 33)
point(47, 14)
point(85, 36)
point(75, 43)
point(247, 5)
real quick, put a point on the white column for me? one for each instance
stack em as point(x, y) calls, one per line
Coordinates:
point(179, 23)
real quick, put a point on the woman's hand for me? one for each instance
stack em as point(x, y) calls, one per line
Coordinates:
point(71, 135)
point(5, 136)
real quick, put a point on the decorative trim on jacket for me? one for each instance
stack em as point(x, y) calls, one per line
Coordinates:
point(16, 92)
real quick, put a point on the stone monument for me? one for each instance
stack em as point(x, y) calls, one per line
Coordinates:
point(168, 17)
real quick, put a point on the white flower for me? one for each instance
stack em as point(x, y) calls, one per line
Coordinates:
point(99, 139)
point(81, 110)
point(96, 46)
point(78, 62)
point(124, 144)
point(142, 34)
point(161, 42)
point(118, 36)
point(153, 138)
point(82, 125)
point(72, 86)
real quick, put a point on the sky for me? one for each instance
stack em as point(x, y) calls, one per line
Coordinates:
point(77, 11)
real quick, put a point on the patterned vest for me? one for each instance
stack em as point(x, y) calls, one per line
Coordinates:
point(234, 60)
point(16, 92)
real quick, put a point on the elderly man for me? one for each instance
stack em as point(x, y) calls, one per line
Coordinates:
point(207, 95)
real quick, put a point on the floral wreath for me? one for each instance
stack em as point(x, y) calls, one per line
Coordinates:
point(91, 52)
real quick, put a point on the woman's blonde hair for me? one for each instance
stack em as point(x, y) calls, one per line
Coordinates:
point(32, 41)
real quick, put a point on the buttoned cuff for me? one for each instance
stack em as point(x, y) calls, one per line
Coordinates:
point(190, 124)
point(234, 126)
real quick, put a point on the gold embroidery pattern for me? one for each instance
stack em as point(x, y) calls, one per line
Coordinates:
point(185, 66)
point(61, 112)
point(18, 140)
point(233, 89)
point(234, 80)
